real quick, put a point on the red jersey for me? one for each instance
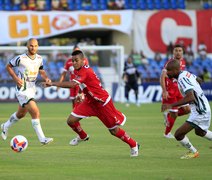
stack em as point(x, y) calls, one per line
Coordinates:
point(90, 83)
point(171, 84)
point(69, 67)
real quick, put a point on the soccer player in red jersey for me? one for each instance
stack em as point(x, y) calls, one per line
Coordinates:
point(68, 67)
point(97, 103)
point(171, 93)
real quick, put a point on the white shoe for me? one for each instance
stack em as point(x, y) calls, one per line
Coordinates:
point(134, 150)
point(4, 132)
point(77, 140)
point(46, 141)
point(138, 104)
point(169, 135)
point(127, 104)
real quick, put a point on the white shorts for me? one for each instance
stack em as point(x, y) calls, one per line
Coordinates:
point(25, 96)
point(203, 121)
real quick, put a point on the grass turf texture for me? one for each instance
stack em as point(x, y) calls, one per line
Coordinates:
point(103, 156)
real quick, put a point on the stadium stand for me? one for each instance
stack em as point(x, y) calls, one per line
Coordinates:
point(88, 5)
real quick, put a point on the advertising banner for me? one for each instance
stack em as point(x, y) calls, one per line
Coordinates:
point(18, 26)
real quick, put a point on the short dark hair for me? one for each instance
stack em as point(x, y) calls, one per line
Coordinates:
point(179, 46)
point(77, 52)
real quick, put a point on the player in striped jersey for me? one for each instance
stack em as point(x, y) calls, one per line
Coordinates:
point(97, 103)
point(200, 117)
point(29, 65)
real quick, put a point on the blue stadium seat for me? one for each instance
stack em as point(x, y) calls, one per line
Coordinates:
point(158, 6)
point(7, 7)
point(127, 4)
point(134, 4)
point(142, 6)
point(16, 8)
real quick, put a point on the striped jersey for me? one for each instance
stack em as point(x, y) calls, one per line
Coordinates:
point(186, 82)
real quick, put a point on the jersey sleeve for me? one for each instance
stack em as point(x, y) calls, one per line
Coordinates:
point(15, 61)
point(184, 82)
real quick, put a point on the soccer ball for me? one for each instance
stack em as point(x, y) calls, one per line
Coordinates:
point(19, 143)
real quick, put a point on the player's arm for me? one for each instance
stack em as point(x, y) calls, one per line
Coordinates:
point(163, 84)
point(12, 73)
point(64, 84)
point(44, 75)
point(188, 98)
point(62, 76)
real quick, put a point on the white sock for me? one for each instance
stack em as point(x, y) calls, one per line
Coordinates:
point(37, 127)
point(13, 119)
point(187, 144)
point(208, 135)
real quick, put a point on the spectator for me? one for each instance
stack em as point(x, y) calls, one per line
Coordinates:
point(93, 58)
point(157, 58)
point(169, 50)
point(189, 55)
point(206, 75)
point(41, 5)
point(23, 6)
point(120, 4)
point(55, 4)
point(202, 47)
point(31, 5)
point(64, 5)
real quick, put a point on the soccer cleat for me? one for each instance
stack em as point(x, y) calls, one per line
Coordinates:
point(168, 136)
point(127, 104)
point(4, 132)
point(46, 141)
point(77, 140)
point(190, 155)
point(134, 150)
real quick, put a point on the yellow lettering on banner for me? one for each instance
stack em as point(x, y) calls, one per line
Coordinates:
point(14, 21)
point(87, 19)
point(36, 26)
point(109, 19)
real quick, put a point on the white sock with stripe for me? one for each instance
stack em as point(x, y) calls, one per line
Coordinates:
point(187, 144)
point(37, 127)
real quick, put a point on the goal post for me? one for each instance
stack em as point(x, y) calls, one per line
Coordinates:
point(110, 65)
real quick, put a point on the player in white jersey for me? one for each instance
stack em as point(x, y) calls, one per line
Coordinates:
point(29, 65)
point(200, 116)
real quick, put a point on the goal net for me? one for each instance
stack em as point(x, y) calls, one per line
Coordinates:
point(107, 62)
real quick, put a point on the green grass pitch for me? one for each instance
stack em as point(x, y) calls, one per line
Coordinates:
point(103, 157)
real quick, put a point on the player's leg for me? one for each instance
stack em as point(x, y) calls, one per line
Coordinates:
point(126, 93)
point(170, 117)
point(170, 120)
point(35, 114)
point(203, 125)
point(180, 136)
point(184, 110)
point(122, 135)
point(12, 120)
point(73, 123)
point(82, 110)
point(112, 118)
point(135, 88)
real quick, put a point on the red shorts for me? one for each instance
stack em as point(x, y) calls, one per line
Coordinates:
point(173, 98)
point(108, 114)
point(74, 92)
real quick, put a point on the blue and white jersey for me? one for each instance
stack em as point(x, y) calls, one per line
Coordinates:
point(186, 82)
